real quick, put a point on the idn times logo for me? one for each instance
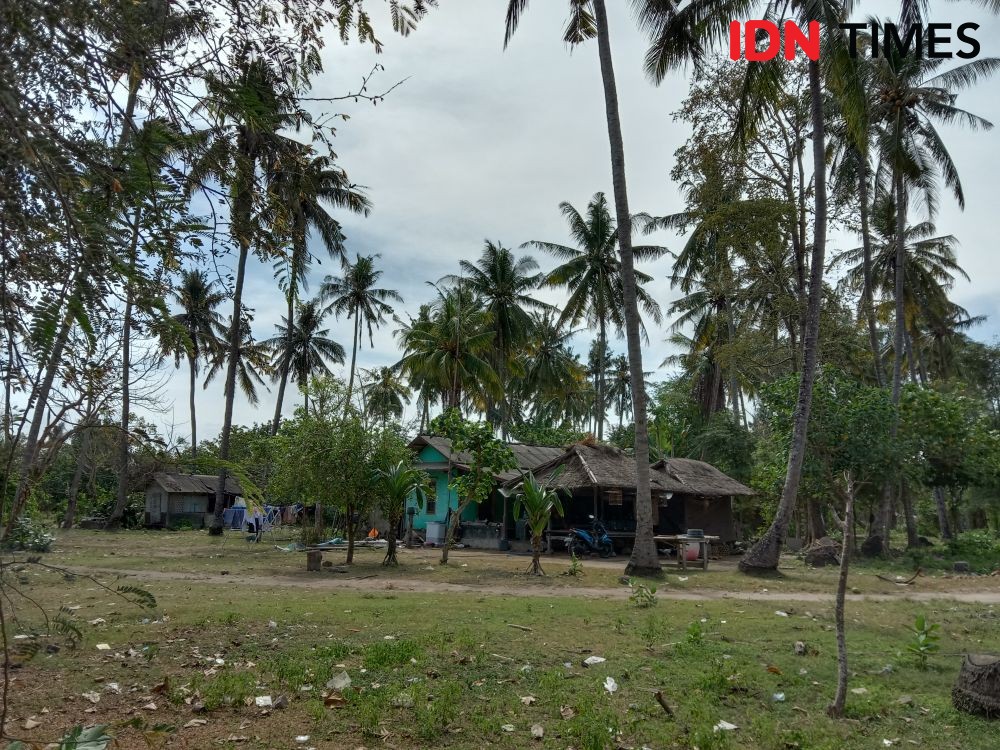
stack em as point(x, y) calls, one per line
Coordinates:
point(759, 41)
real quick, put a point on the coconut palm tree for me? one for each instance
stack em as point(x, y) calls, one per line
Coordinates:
point(249, 105)
point(253, 363)
point(684, 32)
point(302, 348)
point(912, 97)
point(196, 331)
point(589, 19)
point(399, 483)
point(550, 369)
point(308, 185)
point(355, 295)
point(592, 274)
point(504, 284)
point(386, 395)
point(537, 502)
point(447, 348)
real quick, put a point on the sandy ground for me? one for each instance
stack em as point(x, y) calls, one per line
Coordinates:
point(333, 582)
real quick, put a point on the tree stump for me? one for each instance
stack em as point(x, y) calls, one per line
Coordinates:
point(977, 689)
point(822, 552)
point(314, 558)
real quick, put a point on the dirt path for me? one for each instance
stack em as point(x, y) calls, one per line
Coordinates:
point(417, 586)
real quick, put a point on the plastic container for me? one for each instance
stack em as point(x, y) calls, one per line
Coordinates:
point(435, 533)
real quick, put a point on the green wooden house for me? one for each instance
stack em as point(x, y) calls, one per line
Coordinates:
point(486, 525)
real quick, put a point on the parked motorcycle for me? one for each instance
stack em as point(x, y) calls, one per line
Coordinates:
point(583, 542)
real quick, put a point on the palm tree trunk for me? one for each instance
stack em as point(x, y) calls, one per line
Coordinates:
point(354, 354)
point(911, 364)
point(765, 554)
point(883, 521)
point(284, 366)
point(230, 389)
point(644, 559)
point(193, 372)
point(867, 294)
point(599, 412)
point(121, 499)
point(536, 556)
point(836, 709)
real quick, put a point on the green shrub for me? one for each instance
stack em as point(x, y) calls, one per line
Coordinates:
point(30, 535)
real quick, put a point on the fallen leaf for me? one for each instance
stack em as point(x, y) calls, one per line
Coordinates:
point(150, 707)
point(773, 669)
point(567, 712)
point(163, 686)
point(30, 724)
point(334, 700)
point(528, 699)
point(195, 723)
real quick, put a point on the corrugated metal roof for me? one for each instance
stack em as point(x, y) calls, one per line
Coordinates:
point(195, 484)
point(527, 456)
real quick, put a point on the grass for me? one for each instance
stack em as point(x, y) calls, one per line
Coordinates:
point(195, 553)
point(448, 670)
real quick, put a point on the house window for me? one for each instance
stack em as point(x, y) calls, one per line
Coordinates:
point(614, 497)
point(430, 506)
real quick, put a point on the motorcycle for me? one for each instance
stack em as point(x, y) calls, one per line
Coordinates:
point(582, 542)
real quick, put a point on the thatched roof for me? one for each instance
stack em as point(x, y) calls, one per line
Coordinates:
point(691, 477)
point(527, 456)
point(584, 465)
point(195, 484)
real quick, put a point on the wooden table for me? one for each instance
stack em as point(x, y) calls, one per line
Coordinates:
point(681, 541)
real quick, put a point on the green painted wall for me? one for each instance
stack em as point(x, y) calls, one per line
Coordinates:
point(446, 497)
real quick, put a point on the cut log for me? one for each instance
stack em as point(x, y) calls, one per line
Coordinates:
point(314, 559)
point(977, 689)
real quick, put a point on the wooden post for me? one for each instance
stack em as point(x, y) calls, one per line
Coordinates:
point(503, 533)
point(314, 560)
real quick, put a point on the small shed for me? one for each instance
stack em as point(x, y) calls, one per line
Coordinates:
point(173, 497)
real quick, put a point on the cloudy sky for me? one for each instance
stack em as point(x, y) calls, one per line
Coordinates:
point(481, 143)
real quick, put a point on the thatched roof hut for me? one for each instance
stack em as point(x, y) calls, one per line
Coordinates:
point(691, 477)
point(586, 465)
point(601, 480)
